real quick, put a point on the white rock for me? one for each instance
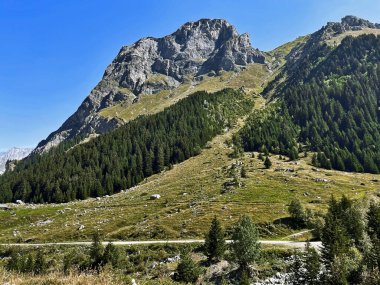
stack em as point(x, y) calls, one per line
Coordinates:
point(155, 196)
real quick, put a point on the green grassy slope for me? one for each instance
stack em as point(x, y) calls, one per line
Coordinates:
point(190, 197)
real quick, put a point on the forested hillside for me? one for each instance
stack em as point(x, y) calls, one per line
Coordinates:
point(124, 157)
point(333, 98)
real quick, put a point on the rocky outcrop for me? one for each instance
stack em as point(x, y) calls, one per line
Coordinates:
point(355, 23)
point(329, 31)
point(154, 64)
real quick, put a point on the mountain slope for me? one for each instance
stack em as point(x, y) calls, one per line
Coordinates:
point(309, 51)
point(126, 156)
point(330, 93)
point(12, 154)
point(191, 195)
point(152, 65)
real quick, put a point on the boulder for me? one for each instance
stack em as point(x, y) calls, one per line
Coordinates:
point(155, 196)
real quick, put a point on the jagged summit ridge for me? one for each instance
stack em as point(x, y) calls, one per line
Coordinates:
point(353, 22)
point(347, 23)
point(194, 49)
point(330, 31)
point(151, 65)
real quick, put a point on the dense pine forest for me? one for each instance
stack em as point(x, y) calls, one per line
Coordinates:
point(270, 131)
point(333, 99)
point(124, 157)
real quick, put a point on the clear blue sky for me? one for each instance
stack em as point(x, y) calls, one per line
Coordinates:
point(52, 53)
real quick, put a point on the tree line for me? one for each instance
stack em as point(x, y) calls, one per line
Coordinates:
point(328, 105)
point(124, 157)
point(350, 238)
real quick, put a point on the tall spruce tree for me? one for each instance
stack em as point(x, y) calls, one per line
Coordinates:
point(187, 270)
point(96, 252)
point(245, 246)
point(214, 241)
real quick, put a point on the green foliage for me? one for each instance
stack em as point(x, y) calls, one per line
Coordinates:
point(336, 105)
point(96, 252)
point(312, 266)
point(270, 131)
point(214, 241)
point(297, 212)
point(333, 98)
point(267, 163)
point(371, 277)
point(343, 240)
point(27, 263)
point(373, 217)
point(75, 261)
point(244, 278)
point(344, 268)
point(305, 268)
point(40, 264)
point(335, 234)
point(111, 255)
point(243, 172)
point(187, 270)
point(14, 262)
point(373, 231)
point(296, 270)
point(124, 157)
point(245, 246)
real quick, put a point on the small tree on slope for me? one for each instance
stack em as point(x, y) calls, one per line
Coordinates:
point(214, 241)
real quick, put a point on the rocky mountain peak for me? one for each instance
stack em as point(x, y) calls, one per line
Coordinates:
point(353, 22)
point(216, 30)
point(151, 65)
point(348, 23)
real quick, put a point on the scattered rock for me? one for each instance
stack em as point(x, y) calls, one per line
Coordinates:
point(321, 180)
point(4, 207)
point(20, 202)
point(173, 259)
point(44, 223)
point(155, 197)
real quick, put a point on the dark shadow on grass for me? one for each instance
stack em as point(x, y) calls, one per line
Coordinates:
point(290, 222)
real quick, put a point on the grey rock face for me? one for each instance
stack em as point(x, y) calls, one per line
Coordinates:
point(348, 23)
point(12, 154)
point(352, 22)
point(154, 64)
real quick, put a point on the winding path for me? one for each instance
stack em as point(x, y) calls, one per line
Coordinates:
point(291, 244)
